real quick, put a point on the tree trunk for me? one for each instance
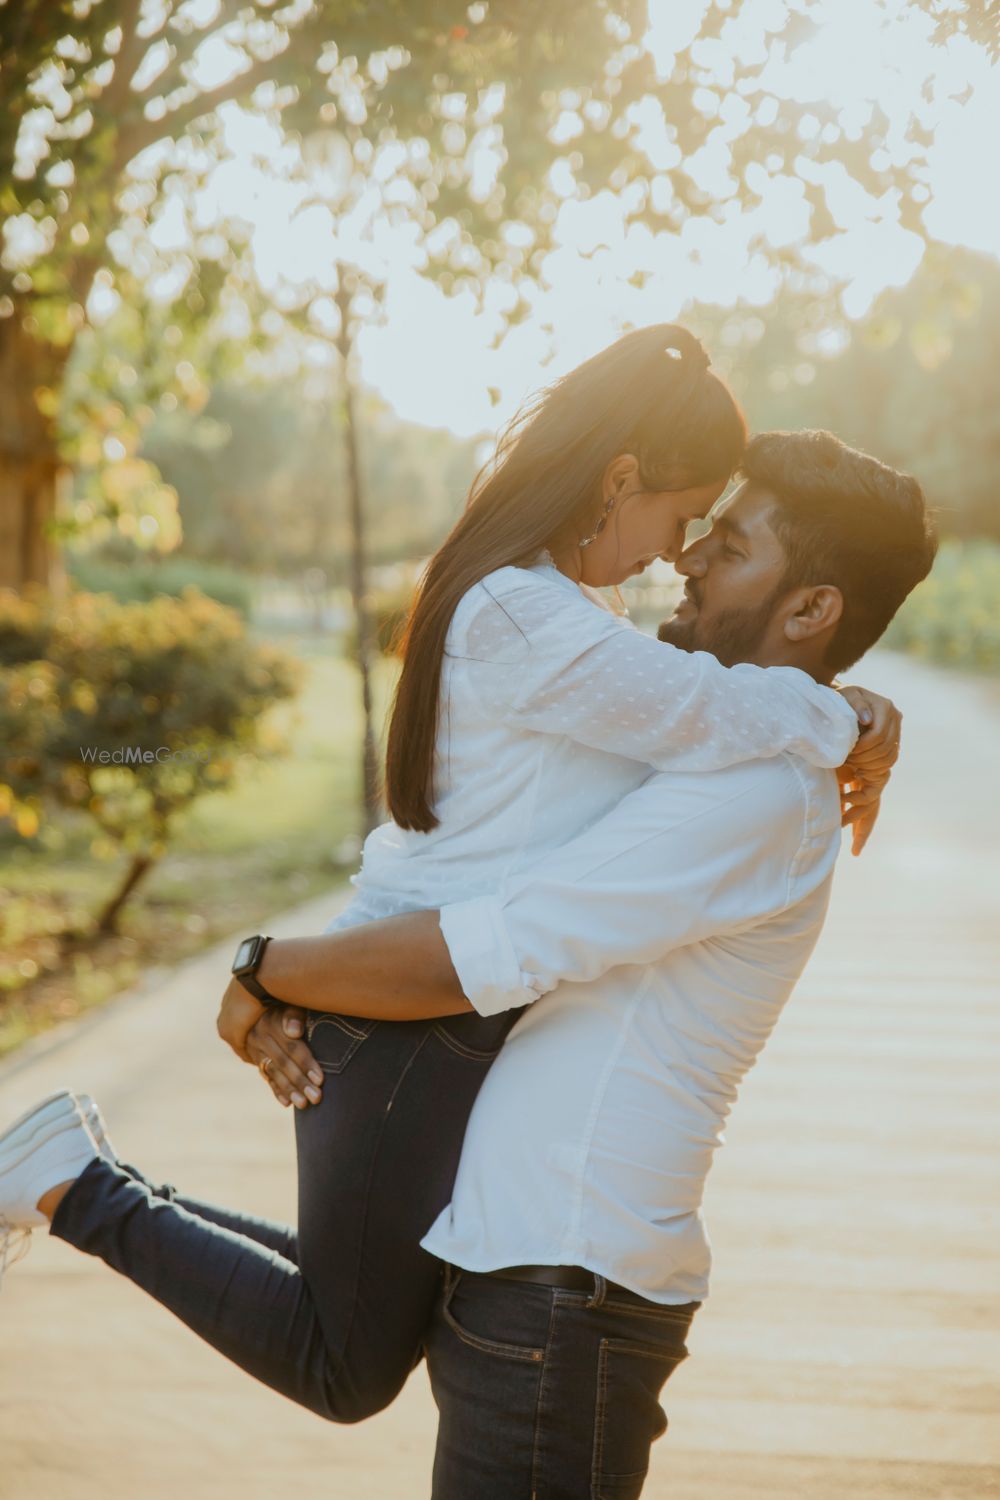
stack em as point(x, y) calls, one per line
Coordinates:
point(140, 866)
point(29, 457)
point(359, 581)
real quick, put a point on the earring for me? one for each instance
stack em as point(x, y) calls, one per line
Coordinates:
point(608, 508)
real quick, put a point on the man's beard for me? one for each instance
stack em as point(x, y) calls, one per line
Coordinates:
point(733, 636)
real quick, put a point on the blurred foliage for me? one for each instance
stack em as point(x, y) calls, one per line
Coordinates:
point(914, 384)
point(978, 19)
point(129, 579)
point(389, 607)
point(112, 119)
point(260, 480)
point(285, 831)
point(128, 712)
point(258, 469)
point(106, 82)
point(954, 615)
point(471, 123)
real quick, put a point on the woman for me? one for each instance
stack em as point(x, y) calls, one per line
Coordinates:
point(510, 668)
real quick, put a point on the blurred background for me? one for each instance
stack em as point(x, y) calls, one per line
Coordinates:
point(272, 277)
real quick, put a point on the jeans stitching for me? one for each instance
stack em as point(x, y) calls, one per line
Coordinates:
point(539, 1400)
point(356, 1038)
point(523, 1352)
point(620, 1346)
point(329, 1019)
point(600, 1406)
point(470, 1052)
point(662, 1313)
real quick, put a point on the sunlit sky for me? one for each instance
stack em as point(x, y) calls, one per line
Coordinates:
point(431, 358)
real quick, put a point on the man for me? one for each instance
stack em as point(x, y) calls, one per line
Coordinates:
point(669, 934)
point(666, 939)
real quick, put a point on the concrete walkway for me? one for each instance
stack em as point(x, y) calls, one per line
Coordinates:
point(851, 1346)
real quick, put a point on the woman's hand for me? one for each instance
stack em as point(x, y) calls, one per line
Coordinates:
point(865, 774)
point(860, 804)
point(881, 725)
point(290, 1068)
point(238, 1015)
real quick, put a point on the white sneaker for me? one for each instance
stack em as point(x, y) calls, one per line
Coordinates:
point(45, 1146)
point(96, 1126)
point(53, 1105)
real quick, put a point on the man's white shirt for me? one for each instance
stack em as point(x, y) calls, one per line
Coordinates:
point(552, 711)
point(670, 935)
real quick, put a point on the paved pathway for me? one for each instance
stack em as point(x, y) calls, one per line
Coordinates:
point(852, 1343)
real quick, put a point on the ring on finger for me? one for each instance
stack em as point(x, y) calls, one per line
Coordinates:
point(265, 1065)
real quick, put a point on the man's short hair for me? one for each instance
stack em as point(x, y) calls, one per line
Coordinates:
point(846, 519)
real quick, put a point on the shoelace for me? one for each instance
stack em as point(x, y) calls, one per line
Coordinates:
point(13, 1245)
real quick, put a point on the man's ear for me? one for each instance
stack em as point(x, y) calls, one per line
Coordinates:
point(813, 611)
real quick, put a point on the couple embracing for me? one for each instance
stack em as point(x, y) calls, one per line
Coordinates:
point(609, 858)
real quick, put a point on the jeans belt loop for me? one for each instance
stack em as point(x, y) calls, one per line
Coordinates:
point(597, 1296)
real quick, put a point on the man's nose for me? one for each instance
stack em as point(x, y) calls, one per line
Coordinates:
point(691, 563)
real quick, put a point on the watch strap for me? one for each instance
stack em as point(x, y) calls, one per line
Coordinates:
point(252, 983)
point(248, 977)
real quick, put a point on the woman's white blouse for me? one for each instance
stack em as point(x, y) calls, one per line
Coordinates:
point(552, 708)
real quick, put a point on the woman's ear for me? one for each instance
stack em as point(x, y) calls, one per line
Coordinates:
point(620, 474)
point(815, 610)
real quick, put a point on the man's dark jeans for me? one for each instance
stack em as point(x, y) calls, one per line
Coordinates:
point(547, 1394)
point(331, 1315)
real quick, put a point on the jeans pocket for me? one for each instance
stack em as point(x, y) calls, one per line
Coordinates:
point(333, 1040)
point(628, 1417)
point(458, 1319)
point(479, 1038)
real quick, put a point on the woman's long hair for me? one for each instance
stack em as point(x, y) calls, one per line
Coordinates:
point(650, 394)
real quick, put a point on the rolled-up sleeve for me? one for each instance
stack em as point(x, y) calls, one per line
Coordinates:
point(484, 957)
point(680, 859)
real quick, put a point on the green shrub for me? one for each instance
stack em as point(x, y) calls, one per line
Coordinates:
point(144, 578)
point(127, 712)
point(954, 615)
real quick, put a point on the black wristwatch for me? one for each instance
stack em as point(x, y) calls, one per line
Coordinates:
point(245, 965)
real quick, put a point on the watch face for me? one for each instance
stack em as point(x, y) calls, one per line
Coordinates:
point(244, 953)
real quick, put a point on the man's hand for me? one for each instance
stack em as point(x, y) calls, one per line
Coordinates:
point(238, 1015)
point(865, 774)
point(293, 1073)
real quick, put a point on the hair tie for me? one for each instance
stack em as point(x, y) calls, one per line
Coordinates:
point(696, 354)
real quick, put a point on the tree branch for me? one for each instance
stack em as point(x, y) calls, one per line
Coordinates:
point(146, 132)
point(130, 52)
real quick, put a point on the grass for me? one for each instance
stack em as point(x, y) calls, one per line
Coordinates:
point(286, 832)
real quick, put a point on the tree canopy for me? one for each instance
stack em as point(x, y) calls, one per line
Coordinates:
point(496, 94)
point(475, 123)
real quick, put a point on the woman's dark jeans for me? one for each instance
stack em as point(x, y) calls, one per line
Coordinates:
point(332, 1316)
